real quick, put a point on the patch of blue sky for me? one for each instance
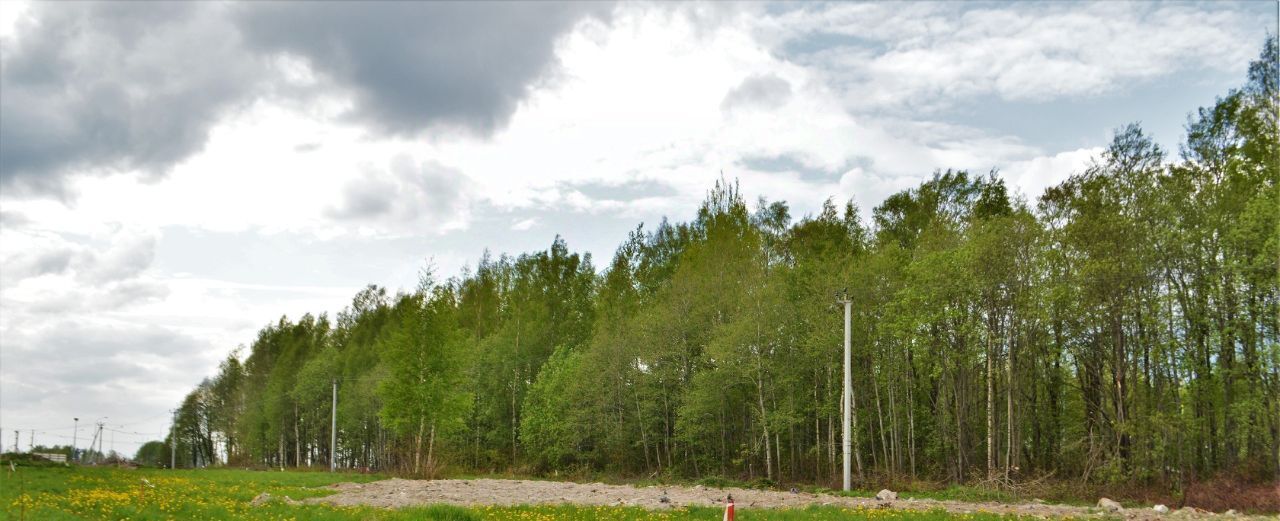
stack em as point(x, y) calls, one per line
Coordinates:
point(810, 43)
point(1161, 107)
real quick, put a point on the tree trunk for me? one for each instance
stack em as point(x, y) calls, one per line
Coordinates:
point(431, 445)
point(644, 438)
point(911, 412)
point(417, 448)
point(991, 409)
point(884, 446)
point(1009, 452)
point(768, 456)
point(857, 454)
point(297, 439)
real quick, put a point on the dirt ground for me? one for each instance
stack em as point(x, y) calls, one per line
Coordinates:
point(395, 493)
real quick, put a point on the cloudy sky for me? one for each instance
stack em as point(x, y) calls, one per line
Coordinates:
point(175, 176)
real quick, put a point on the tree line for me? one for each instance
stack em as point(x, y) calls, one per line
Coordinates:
point(1123, 326)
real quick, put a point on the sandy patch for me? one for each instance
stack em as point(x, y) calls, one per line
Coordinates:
point(396, 493)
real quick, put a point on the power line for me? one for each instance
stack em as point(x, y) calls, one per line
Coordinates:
point(161, 415)
point(43, 429)
point(130, 432)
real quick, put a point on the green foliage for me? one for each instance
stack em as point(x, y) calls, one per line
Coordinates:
point(552, 439)
point(152, 454)
point(1122, 327)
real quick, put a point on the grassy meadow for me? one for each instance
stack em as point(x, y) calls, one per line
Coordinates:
point(64, 493)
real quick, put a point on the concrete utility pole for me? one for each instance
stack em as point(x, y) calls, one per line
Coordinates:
point(97, 455)
point(15, 441)
point(31, 444)
point(75, 430)
point(173, 440)
point(93, 442)
point(102, 437)
point(843, 298)
point(333, 430)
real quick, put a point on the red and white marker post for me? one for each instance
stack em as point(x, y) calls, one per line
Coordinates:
point(728, 510)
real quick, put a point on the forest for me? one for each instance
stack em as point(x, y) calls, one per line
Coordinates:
point(1123, 326)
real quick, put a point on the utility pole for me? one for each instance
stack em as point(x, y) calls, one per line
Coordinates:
point(31, 444)
point(75, 430)
point(333, 430)
point(843, 298)
point(97, 440)
point(15, 441)
point(101, 437)
point(92, 443)
point(173, 440)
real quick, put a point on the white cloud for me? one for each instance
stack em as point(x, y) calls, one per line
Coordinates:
point(11, 14)
point(761, 91)
point(273, 168)
point(524, 224)
point(1033, 176)
point(922, 56)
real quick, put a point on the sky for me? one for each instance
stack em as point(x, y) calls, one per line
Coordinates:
point(173, 177)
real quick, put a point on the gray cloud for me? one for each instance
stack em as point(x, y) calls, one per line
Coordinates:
point(89, 354)
point(127, 257)
point(11, 219)
point(114, 296)
point(427, 195)
point(412, 65)
point(43, 262)
point(621, 190)
point(112, 86)
point(97, 276)
point(130, 292)
point(765, 91)
point(87, 369)
point(126, 85)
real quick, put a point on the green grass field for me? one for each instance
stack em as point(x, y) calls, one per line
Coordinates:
point(58, 493)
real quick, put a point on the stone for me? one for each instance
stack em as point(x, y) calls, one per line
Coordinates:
point(886, 495)
point(1109, 505)
point(1230, 512)
point(1161, 509)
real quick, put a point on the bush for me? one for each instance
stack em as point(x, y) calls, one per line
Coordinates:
point(762, 483)
point(26, 460)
